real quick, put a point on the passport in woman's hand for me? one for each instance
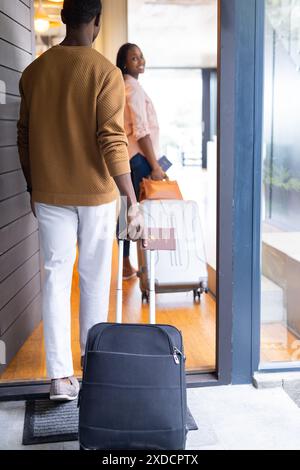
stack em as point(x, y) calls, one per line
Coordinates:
point(164, 163)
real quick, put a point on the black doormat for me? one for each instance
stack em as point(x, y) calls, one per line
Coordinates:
point(47, 422)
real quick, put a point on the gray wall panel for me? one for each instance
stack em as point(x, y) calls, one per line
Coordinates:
point(11, 80)
point(20, 279)
point(9, 159)
point(14, 208)
point(17, 231)
point(16, 306)
point(16, 281)
point(12, 184)
point(15, 33)
point(17, 334)
point(17, 11)
point(13, 57)
point(8, 133)
point(18, 255)
point(10, 109)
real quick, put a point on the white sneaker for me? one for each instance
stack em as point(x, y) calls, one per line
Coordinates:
point(64, 389)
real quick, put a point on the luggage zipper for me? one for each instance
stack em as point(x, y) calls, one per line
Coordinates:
point(176, 352)
point(176, 357)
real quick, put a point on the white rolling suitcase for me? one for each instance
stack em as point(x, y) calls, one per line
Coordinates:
point(184, 269)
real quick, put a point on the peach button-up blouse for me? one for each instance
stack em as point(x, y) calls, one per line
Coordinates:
point(140, 117)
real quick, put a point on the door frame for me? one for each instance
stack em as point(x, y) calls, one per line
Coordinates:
point(239, 26)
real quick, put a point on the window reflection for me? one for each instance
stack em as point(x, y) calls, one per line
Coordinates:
point(281, 184)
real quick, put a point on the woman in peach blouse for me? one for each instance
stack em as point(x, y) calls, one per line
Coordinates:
point(141, 126)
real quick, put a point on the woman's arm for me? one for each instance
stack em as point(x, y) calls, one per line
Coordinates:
point(148, 152)
point(141, 131)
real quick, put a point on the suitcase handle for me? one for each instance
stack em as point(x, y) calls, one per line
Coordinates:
point(156, 239)
point(119, 309)
point(119, 282)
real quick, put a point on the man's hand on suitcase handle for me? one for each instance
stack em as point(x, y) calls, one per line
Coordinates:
point(135, 222)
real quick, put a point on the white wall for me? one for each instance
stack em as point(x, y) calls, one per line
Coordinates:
point(113, 28)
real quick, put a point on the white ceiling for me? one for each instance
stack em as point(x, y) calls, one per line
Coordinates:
point(170, 32)
point(179, 33)
point(181, 2)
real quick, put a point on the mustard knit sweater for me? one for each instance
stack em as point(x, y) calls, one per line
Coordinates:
point(71, 135)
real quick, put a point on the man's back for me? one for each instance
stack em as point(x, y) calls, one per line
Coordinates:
point(71, 127)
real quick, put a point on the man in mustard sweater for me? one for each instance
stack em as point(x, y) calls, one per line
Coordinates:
point(73, 152)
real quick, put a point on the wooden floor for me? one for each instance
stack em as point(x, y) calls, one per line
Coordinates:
point(278, 344)
point(196, 321)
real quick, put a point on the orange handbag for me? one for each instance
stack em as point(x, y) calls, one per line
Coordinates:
point(165, 189)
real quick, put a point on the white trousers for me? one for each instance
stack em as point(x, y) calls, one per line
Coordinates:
point(61, 228)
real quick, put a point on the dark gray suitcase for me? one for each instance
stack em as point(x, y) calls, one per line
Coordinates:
point(133, 392)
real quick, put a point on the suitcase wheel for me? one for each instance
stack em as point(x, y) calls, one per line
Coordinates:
point(145, 297)
point(204, 287)
point(197, 294)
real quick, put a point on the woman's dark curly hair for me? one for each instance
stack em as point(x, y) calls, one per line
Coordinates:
point(122, 56)
point(77, 12)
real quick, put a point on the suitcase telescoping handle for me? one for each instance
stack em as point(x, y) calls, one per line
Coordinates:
point(119, 318)
point(156, 239)
point(119, 282)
